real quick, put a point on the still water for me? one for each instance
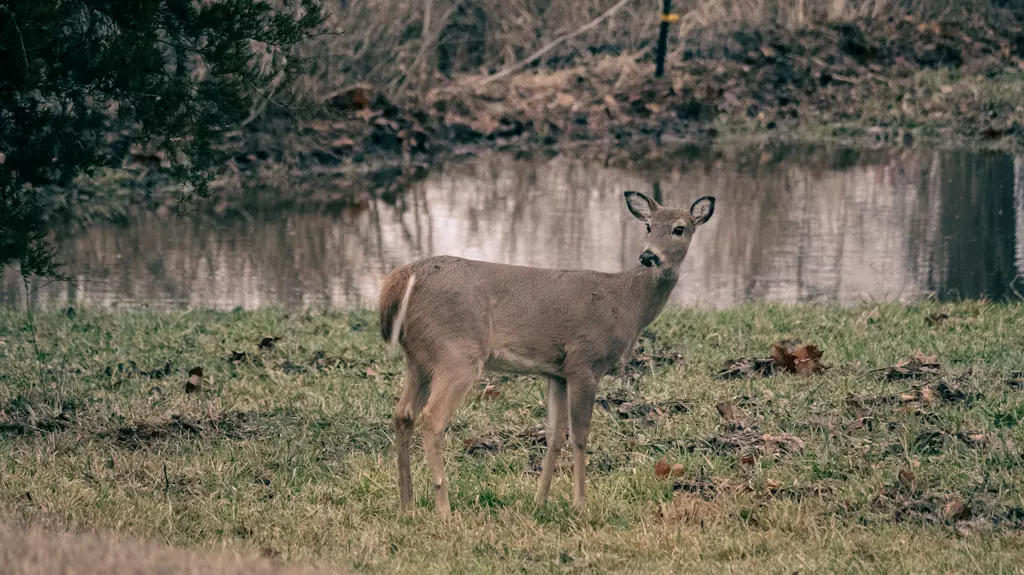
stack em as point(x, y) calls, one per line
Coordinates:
point(789, 225)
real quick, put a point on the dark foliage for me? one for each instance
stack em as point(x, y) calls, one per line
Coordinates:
point(180, 73)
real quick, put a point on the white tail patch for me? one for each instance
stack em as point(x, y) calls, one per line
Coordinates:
point(396, 329)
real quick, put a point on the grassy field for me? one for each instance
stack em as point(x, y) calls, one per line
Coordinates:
point(286, 451)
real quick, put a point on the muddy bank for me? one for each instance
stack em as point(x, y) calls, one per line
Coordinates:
point(896, 81)
point(866, 83)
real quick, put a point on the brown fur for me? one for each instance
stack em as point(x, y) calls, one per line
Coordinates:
point(570, 326)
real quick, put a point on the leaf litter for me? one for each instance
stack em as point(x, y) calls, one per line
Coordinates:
point(235, 425)
point(644, 413)
point(786, 357)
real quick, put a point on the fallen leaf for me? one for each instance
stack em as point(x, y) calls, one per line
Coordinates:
point(786, 441)
point(860, 423)
point(677, 470)
point(491, 392)
point(928, 395)
point(746, 367)
point(804, 360)
point(195, 377)
point(773, 485)
point(747, 460)
point(783, 358)
point(728, 411)
point(662, 469)
point(919, 366)
point(974, 439)
point(564, 100)
point(908, 480)
point(954, 510)
point(482, 445)
point(808, 360)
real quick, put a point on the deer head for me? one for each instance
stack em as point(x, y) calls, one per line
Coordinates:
point(669, 230)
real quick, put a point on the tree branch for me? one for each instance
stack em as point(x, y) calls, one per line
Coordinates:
point(552, 45)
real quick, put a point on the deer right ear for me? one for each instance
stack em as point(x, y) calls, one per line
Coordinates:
point(641, 206)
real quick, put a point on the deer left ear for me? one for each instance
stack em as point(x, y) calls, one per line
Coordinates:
point(702, 209)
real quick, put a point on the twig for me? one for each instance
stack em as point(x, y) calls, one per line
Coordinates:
point(422, 56)
point(551, 46)
point(32, 326)
point(846, 79)
point(21, 37)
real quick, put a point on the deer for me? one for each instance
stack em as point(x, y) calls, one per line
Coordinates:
point(456, 319)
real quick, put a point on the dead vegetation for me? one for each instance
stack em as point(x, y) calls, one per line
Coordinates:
point(295, 463)
point(404, 83)
point(26, 550)
point(229, 425)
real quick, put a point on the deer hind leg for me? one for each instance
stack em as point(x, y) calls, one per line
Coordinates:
point(415, 389)
point(554, 434)
point(582, 389)
point(448, 387)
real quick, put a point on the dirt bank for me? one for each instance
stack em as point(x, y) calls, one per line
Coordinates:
point(867, 83)
point(896, 81)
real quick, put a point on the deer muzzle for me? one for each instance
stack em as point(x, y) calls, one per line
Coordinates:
point(649, 259)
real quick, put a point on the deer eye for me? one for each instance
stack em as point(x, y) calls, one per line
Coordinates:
point(679, 230)
point(648, 228)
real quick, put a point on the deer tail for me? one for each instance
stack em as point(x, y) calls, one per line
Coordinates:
point(394, 305)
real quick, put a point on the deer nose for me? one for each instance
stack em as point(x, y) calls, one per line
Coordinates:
point(649, 258)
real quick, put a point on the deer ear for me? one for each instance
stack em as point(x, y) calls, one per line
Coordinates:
point(702, 209)
point(641, 206)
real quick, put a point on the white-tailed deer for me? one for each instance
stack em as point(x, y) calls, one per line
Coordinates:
point(456, 318)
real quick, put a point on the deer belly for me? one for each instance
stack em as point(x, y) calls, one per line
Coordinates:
point(510, 362)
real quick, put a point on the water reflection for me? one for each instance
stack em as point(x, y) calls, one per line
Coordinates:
point(793, 225)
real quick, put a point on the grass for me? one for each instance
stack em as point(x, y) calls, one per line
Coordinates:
point(288, 452)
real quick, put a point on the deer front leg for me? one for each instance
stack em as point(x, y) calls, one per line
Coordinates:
point(582, 390)
point(553, 435)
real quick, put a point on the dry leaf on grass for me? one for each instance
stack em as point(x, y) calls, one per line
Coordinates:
point(729, 411)
point(662, 468)
point(918, 366)
point(802, 360)
point(746, 367)
point(955, 510)
point(195, 377)
point(787, 357)
point(482, 445)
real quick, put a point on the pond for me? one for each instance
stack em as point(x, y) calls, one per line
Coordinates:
point(791, 225)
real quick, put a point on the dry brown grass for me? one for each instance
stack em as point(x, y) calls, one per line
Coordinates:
point(407, 48)
point(34, 551)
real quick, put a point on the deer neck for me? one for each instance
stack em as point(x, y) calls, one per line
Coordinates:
point(651, 287)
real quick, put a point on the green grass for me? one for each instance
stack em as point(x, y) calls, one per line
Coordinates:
point(274, 454)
